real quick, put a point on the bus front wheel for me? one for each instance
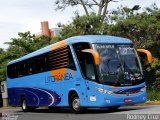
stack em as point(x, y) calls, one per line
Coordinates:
point(75, 104)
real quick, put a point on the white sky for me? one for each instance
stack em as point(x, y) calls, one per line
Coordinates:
point(26, 15)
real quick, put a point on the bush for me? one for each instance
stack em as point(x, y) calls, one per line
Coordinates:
point(152, 75)
point(153, 95)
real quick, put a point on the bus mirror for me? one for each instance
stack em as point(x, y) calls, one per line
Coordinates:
point(95, 55)
point(147, 53)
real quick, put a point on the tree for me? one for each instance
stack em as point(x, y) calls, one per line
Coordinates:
point(1, 50)
point(153, 74)
point(27, 43)
point(84, 25)
point(24, 44)
point(143, 29)
point(87, 5)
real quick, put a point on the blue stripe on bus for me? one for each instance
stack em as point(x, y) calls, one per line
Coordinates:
point(34, 96)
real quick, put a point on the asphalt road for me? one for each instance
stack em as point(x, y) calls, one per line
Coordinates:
point(123, 113)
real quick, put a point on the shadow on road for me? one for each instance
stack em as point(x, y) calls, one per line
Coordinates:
point(90, 111)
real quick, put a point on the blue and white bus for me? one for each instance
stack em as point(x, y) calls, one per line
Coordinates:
point(79, 72)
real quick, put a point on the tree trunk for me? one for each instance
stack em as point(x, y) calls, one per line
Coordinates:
point(100, 7)
point(83, 4)
point(105, 9)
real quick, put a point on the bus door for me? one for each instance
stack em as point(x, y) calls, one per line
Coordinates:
point(91, 80)
point(87, 69)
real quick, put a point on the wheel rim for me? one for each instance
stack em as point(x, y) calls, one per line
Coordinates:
point(76, 104)
point(24, 105)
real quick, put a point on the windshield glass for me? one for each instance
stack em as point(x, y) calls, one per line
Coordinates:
point(119, 65)
point(129, 59)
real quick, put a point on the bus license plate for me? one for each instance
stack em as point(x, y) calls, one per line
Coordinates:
point(128, 100)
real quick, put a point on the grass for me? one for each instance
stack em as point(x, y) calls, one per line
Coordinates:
point(153, 98)
point(153, 95)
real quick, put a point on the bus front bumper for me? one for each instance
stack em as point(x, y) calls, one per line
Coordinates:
point(113, 100)
point(106, 100)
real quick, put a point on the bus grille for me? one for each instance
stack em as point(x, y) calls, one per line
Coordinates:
point(129, 91)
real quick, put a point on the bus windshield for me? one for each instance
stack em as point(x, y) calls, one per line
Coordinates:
point(119, 66)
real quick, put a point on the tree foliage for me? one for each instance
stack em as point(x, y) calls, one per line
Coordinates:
point(88, 5)
point(84, 25)
point(24, 44)
point(153, 74)
point(143, 28)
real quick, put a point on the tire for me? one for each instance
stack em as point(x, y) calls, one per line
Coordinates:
point(113, 108)
point(25, 107)
point(74, 104)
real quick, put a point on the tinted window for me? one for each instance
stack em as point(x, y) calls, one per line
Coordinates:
point(60, 58)
point(30, 66)
point(85, 60)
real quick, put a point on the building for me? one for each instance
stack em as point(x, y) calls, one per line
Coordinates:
point(45, 30)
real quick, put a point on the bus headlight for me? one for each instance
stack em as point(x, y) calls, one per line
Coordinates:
point(104, 91)
point(143, 89)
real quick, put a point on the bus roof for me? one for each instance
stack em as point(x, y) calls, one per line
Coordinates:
point(99, 39)
point(77, 39)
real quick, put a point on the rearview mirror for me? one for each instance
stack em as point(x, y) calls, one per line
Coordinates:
point(147, 53)
point(95, 54)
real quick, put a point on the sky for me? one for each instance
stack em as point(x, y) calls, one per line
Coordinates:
point(26, 15)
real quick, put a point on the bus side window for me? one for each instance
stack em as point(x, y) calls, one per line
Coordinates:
point(41, 64)
point(15, 69)
point(89, 66)
point(24, 69)
point(70, 64)
point(30, 67)
point(19, 70)
point(11, 71)
point(45, 63)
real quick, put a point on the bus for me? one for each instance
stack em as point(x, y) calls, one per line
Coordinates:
point(90, 71)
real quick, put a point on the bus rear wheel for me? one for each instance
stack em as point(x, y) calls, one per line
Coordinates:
point(25, 107)
point(75, 104)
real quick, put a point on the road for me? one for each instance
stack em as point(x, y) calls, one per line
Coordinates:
point(151, 112)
